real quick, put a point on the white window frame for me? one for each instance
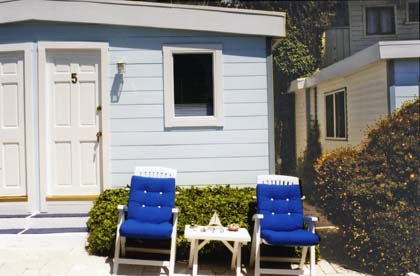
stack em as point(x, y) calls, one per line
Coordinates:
point(345, 138)
point(407, 19)
point(168, 77)
point(380, 6)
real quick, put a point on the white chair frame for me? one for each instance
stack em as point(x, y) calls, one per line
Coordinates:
point(156, 172)
point(256, 257)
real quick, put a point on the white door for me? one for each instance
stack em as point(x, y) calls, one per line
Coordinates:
point(73, 149)
point(12, 125)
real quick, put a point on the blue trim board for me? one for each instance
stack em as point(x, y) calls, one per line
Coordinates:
point(56, 230)
point(14, 216)
point(11, 231)
point(46, 215)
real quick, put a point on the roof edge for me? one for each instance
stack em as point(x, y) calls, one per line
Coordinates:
point(381, 50)
point(142, 14)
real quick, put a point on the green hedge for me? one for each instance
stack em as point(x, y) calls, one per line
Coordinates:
point(233, 205)
point(372, 193)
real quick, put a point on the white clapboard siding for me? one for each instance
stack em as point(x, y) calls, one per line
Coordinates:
point(245, 82)
point(195, 164)
point(244, 69)
point(136, 111)
point(240, 147)
point(141, 97)
point(190, 137)
point(187, 151)
point(367, 101)
point(245, 96)
point(128, 125)
point(235, 178)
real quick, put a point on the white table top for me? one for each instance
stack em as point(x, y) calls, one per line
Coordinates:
point(241, 235)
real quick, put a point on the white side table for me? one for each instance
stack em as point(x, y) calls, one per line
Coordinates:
point(195, 235)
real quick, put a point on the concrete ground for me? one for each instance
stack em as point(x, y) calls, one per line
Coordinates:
point(64, 254)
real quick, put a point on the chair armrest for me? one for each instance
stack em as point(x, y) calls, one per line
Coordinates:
point(122, 208)
point(257, 216)
point(310, 219)
point(175, 210)
point(311, 223)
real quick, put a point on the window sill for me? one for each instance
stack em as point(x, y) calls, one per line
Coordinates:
point(336, 139)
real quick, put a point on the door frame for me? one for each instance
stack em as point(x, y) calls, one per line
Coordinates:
point(28, 103)
point(43, 47)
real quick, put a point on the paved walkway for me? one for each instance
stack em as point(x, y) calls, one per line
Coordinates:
point(64, 254)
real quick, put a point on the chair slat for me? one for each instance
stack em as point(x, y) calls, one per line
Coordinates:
point(277, 179)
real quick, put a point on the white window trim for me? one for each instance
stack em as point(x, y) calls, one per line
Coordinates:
point(407, 19)
point(168, 77)
point(335, 138)
point(380, 6)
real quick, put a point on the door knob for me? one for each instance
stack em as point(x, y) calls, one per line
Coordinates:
point(98, 136)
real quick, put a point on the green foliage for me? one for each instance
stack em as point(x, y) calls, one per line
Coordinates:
point(102, 223)
point(372, 193)
point(312, 152)
point(233, 205)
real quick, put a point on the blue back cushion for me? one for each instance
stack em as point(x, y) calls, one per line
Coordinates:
point(281, 206)
point(151, 199)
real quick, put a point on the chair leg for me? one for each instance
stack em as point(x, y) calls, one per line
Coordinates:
point(312, 273)
point(116, 256)
point(257, 258)
point(123, 240)
point(303, 258)
point(252, 253)
point(172, 257)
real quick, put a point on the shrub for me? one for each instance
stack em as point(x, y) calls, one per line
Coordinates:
point(372, 193)
point(233, 205)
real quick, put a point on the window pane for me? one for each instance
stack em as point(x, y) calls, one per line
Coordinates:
point(193, 84)
point(387, 20)
point(372, 18)
point(340, 115)
point(329, 102)
point(413, 11)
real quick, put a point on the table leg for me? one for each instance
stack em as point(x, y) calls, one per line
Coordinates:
point(234, 253)
point(195, 262)
point(190, 260)
point(238, 260)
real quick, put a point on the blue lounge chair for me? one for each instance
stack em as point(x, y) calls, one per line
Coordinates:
point(280, 222)
point(150, 215)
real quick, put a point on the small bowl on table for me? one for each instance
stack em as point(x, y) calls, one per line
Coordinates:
point(233, 227)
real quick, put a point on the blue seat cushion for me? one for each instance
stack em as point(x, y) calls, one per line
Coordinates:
point(281, 206)
point(298, 237)
point(151, 199)
point(133, 229)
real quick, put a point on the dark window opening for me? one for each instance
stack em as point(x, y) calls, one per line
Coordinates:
point(335, 105)
point(380, 20)
point(413, 12)
point(330, 115)
point(193, 84)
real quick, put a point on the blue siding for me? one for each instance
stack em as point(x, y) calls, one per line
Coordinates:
point(406, 72)
point(235, 154)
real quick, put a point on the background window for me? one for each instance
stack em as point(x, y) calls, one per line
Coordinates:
point(193, 84)
point(413, 12)
point(335, 104)
point(380, 20)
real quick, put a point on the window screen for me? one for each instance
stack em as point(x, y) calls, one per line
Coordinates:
point(380, 20)
point(335, 109)
point(193, 84)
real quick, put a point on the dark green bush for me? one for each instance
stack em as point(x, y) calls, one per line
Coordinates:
point(372, 193)
point(233, 205)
